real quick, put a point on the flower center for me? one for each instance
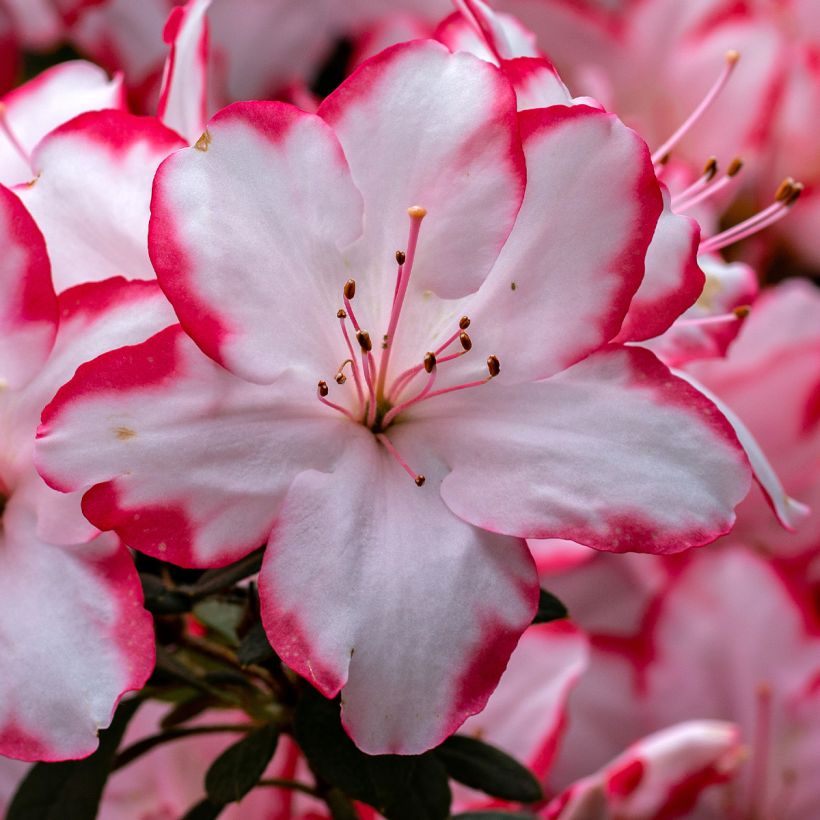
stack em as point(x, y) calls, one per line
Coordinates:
point(380, 396)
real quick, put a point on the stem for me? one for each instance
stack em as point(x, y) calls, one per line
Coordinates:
point(283, 783)
point(215, 580)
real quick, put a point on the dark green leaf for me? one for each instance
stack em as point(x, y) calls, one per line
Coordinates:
point(223, 617)
point(204, 810)
point(71, 790)
point(238, 769)
point(399, 786)
point(215, 580)
point(255, 647)
point(425, 796)
point(495, 815)
point(163, 601)
point(483, 767)
point(549, 608)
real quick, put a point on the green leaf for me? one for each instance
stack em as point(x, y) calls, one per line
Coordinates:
point(483, 767)
point(204, 810)
point(163, 601)
point(255, 647)
point(239, 768)
point(401, 787)
point(223, 617)
point(216, 580)
point(549, 609)
point(71, 790)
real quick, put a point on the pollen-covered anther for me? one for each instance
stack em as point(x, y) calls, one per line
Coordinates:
point(735, 167)
point(732, 56)
point(711, 168)
point(493, 366)
point(341, 313)
point(416, 212)
point(350, 289)
point(322, 389)
point(465, 340)
point(401, 257)
point(464, 322)
point(420, 479)
point(797, 189)
point(742, 311)
point(784, 190)
point(364, 340)
point(429, 362)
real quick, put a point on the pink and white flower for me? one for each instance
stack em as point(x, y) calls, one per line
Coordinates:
point(375, 582)
point(73, 630)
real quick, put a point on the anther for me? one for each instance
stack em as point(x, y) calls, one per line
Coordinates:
point(464, 322)
point(350, 288)
point(420, 479)
point(466, 341)
point(742, 311)
point(429, 362)
point(784, 190)
point(735, 167)
point(493, 365)
point(711, 168)
point(401, 257)
point(341, 313)
point(416, 212)
point(323, 390)
point(732, 56)
point(797, 189)
point(363, 338)
point(340, 378)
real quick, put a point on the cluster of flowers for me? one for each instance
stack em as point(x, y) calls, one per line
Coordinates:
point(436, 336)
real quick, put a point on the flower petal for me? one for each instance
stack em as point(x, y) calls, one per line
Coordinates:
point(96, 229)
point(245, 235)
point(190, 463)
point(614, 453)
point(422, 126)
point(75, 638)
point(184, 96)
point(51, 98)
point(372, 587)
point(672, 280)
point(28, 306)
point(564, 279)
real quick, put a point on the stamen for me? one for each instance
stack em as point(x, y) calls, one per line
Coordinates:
point(709, 171)
point(732, 58)
point(401, 256)
point(342, 315)
point(388, 445)
point(682, 203)
point(340, 376)
point(363, 338)
point(493, 365)
point(5, 127)
point(787, 194)
point(416, 214)
point(466, 341)
point(349, 289)
point(429, 362)
point(464, 322)
point(735, 315)
point(322, 391)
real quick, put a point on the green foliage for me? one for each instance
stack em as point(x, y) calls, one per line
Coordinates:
point(239, 768)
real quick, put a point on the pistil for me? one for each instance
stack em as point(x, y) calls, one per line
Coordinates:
point(732, 58)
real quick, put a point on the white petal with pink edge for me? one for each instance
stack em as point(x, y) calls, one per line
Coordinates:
point(75, 638)
point(184, 96)
point(28, 306)
point(563, 281)
point(661, 775)
point(525, 715)
point(52, 98)
point(245, 235)
point(92, 194)
point(422, 126)
point(672, 280)
point(190, 463)
point(615, 453)
point(371, 586)
point(789, 511)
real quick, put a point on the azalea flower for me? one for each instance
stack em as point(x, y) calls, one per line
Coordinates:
point(74, 633)
point(398, 499)
point(754, 665)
